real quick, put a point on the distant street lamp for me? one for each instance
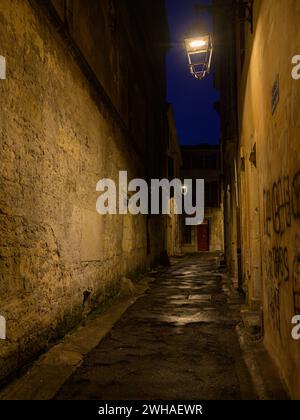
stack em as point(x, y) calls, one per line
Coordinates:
point(199, 51)
point(184, 190)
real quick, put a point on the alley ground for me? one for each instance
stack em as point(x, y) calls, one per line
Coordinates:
point(176, 340)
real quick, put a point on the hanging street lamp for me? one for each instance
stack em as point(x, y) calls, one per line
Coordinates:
point(199, 44)
point(199, 50)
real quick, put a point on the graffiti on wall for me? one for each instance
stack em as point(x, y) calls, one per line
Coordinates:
point(296, 276)
point(274, 305)
point(281, 211)
point(281, 205)
point(296, 196)
point(278, 264)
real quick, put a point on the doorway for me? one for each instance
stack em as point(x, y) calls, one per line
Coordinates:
point(203, 237)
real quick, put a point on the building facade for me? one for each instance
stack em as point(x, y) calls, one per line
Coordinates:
point(260, 103)
point(174, 220)
point(204, 162)
point(71, 116)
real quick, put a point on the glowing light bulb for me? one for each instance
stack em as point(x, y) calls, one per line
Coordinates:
point(197, 43)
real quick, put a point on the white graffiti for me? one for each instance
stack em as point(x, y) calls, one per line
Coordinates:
point(296, 68)
point(2, 68)
point(2, 328)
point(296, 329)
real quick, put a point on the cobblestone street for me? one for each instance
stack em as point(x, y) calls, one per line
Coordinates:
point(178, 341)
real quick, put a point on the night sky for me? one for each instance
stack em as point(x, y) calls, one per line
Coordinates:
point(196, 120)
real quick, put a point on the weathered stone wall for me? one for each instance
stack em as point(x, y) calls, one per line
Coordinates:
point(225, 63)
point(61, 132)
point(270, 191)
point(174, 221)
point(215, 217)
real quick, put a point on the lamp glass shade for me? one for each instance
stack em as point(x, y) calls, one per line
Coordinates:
point(198, 44)
point(199, 51)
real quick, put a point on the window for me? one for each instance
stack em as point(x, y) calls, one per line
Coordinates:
point(186, 161)
point(171, 174)
point(242, 45)
point(170, 169)
point(212, 194)
point(187, 234)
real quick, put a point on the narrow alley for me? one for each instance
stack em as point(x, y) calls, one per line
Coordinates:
point(149, 200)
point(176, 342)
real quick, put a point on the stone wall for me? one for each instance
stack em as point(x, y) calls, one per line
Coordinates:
point(270, 186)
point(74, 109)
point(215, 217)
point(174, 221)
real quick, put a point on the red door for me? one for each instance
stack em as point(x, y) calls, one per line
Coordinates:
point(203, 237)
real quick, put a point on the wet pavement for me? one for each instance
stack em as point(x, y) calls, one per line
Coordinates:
point(178, 341)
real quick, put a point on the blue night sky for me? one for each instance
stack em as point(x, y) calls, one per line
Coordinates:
point(196, 120)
